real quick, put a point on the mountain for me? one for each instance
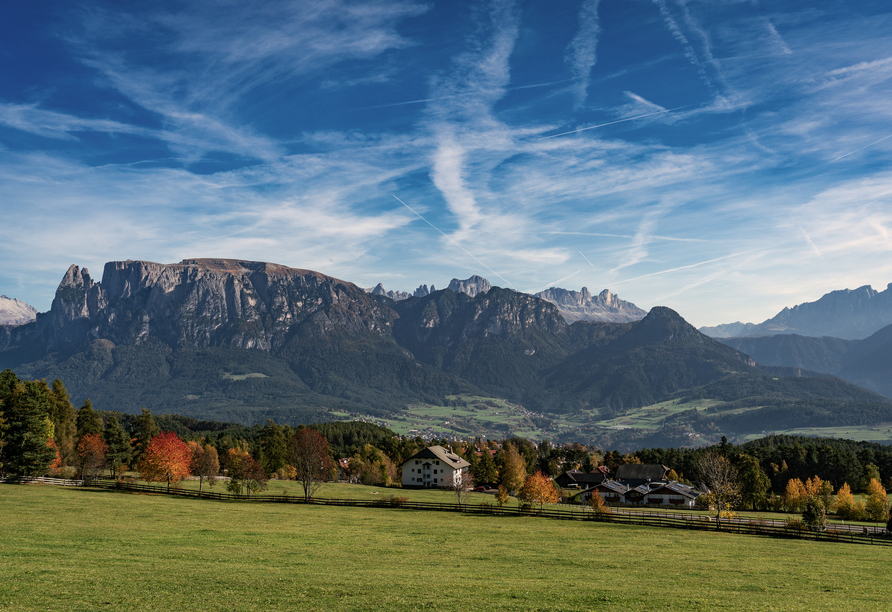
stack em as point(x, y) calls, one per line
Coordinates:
point(393, 295)
point(867, 362)
point(581, 306)
point(222, 339)
point(472, 286)
point(727, 330)
point(15, 312)
point(850, 314)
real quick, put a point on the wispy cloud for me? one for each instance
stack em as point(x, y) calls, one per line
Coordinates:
point(582, 52)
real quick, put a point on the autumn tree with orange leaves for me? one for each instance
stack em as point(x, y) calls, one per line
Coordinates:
point(538, 489)
point(91, 452)
point(166, 459)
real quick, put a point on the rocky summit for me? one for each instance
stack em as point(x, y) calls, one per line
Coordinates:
point(15, 312)
point(581, 306)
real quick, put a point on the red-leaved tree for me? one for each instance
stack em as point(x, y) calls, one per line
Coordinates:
point(166, 459)
point(91, 452)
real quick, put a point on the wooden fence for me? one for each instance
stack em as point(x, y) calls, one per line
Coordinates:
point(777, 529)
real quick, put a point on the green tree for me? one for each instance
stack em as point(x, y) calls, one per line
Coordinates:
point(486, 471)
point(119, 452)
point(273, 447)
point(63, 416)
point(144, 429)
point(814, 515)
point(28, 426)
point(754, 482)
point(88, 421)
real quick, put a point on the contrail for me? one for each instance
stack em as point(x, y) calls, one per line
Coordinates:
point(462, 95)
point(628, 280)
point(586, 259)
point(618, 121)
point(861, 149)
point(454, 242)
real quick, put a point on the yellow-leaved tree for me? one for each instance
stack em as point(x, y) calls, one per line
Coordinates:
point(846, 506)
point(877, 507)
point(538, 489)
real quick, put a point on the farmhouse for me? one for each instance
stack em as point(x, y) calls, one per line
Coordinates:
point(433, 467)
point(644, 485)
point(577, 479)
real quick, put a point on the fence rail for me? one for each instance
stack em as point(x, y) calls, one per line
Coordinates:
point(61, 482)
point(776, 529)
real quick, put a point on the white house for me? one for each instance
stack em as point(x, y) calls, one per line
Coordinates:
point(433, 467)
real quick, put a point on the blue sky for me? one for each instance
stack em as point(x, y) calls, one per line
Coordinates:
point(722, 158)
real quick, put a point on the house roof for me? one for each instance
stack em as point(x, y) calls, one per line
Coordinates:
point(676, 488)
point(632, 471)
point(612, 485)
point(444, 455)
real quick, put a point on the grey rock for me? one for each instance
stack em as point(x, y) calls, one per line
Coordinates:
point(581, 306)
point(472, 286)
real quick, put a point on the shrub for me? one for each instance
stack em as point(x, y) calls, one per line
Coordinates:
point(794, 524)
point(396, 501)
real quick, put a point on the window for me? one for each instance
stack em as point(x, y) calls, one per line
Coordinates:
point(435, 471)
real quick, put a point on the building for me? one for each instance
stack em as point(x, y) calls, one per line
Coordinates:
point(433, 467)
point(576, 479)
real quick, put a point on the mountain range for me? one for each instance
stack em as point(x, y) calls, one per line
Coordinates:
point(850, 314)
point(573, 305)
point(239, 341)
point(15, 312)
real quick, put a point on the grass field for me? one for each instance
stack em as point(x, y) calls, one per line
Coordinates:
point(74, 549)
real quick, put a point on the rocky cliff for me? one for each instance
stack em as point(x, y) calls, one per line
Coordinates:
point(15, 312)
point(202, 303)
point(582, 306)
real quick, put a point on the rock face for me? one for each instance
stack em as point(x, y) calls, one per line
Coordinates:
point(396, 296)
point(203, 303)
point(472, 286)
point(851, 314)
point(581, 306)
point(15, 312)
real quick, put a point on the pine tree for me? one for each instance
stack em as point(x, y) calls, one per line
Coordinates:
point(64, 417)
point(144, 429)
point(273, 447)
point(119, 452)
point(88, 421)
point(28, 426)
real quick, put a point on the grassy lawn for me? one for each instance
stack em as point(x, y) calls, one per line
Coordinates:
point(71, 549)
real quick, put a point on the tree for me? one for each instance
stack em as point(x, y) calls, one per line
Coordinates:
point(502, 496)
point(273, 447)
point(720, 477)
point(88, 421)
point(754, 482)
point(119, 452)
point(513, 471)
point(63, 416)
point(91, 452)
point(539, 489)
point(795, 495)
point(205, 463)
point(311, 459)
point(144, 430)
point(814, 515)
point(166, 459)
point(245, 474)
point(597, 503)
point(485, 471)
point(28, 427)
point(846, 506)
point(877, 506)
point(461, 482)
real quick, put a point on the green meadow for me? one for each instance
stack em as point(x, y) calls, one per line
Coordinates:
point(74, 549)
